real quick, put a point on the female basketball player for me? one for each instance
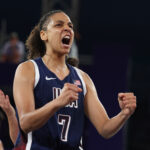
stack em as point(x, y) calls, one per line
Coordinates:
point(52, 96)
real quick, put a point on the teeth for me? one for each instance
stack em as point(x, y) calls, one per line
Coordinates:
point(67, 37)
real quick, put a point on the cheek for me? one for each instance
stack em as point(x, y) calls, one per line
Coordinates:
point(53, 36)
point(56, 35)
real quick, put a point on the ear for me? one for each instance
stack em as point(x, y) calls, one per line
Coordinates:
point(43, 35)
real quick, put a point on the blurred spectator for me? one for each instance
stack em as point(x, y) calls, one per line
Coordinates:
point(74, 52)
point(13, 50)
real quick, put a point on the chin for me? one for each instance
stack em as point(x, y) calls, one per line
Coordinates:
point(66, 51)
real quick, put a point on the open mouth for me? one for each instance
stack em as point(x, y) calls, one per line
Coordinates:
point(66, 40)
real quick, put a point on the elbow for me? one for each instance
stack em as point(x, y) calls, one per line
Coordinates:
point(105, 132)
point(24, 125)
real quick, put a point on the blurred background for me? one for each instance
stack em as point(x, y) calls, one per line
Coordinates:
point(112, 44)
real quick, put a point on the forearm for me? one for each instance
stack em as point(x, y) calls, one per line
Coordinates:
point(13, 127)
point(37, 118)
point(1, 145)
point(113, 125)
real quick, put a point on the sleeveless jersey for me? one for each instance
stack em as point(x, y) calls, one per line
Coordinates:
point(63, 131)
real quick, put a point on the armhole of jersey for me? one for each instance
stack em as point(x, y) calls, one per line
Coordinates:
point(29, 141)
point(83, 83)
point(37, 75)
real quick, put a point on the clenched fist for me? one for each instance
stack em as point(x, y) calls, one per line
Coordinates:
point(127, 102)
point(68, 94)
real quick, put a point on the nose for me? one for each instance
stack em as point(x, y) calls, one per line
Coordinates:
point(66, 28)
point(69, 31)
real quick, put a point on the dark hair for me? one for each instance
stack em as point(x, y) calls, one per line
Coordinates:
point(72, 61)
point(36, 47)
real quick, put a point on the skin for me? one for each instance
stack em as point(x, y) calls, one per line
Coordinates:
point(59, 26)
point(11, 116)
point(1, 145)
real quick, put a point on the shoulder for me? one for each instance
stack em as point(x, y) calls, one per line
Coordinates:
point(6, 46)
point(7, 43)
point(25, 69)
point(20, 43)
point(88, 81)
point(89, 84)
point(27, 65)
point(83, 74)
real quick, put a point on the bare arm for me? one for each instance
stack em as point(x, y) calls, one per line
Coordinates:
point(96, 113)
point(1, 145)
point(29, 117)
point(11, 116)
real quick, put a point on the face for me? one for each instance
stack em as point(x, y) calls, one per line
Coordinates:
point(59, 34)
point(13, 41)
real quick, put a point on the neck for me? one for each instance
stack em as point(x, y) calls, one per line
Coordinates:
point(54, 61)
point(57, 65)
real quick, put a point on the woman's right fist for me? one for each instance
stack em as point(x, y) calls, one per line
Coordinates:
point(68, 94)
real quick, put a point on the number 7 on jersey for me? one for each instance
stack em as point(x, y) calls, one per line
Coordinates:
point(64, 120)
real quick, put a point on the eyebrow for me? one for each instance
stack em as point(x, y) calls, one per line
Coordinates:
point(60, 21)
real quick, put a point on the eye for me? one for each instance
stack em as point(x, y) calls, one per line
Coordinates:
point(71, 26)
point(58, 25)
